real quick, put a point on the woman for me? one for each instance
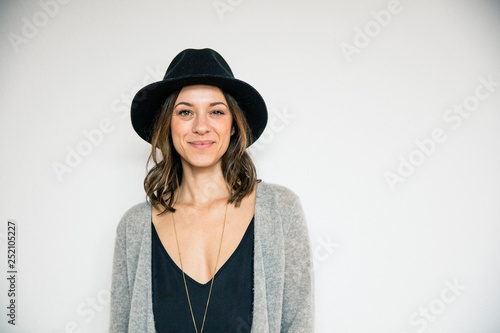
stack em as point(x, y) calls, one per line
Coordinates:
point(213, 248)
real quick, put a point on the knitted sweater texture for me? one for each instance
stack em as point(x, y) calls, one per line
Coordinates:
point(283, 269)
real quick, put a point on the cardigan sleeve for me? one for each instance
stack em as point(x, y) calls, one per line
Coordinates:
point(298, 294)
point(120, 295)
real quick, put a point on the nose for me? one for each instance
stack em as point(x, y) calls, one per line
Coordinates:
point(200, 124)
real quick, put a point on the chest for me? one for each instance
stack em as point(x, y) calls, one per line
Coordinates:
point(231, 298)
point(200, 242)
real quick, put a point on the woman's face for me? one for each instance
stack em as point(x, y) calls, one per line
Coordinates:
point(201, 125)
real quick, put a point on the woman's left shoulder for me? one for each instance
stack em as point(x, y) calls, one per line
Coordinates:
point(277, 193)
point(280, 203)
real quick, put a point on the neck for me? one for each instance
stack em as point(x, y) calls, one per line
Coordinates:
point(202, 186)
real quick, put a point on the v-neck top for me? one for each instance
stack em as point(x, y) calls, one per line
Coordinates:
point(283, 294)
point(231, 301)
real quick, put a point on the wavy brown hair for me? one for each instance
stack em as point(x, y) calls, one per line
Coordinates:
point(165, 176)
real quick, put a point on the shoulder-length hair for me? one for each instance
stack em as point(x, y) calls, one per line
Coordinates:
point(165, 176)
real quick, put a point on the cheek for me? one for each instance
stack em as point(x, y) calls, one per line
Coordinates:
point(228, 127)
point(178, 127)
point(176, 133)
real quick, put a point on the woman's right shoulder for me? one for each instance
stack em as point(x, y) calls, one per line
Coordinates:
point(134, 217)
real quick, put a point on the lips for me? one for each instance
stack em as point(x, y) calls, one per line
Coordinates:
point(201, 144)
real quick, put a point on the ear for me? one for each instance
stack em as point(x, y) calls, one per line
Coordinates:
point(232, 130)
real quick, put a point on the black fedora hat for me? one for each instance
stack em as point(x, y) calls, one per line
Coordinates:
point(197, 66)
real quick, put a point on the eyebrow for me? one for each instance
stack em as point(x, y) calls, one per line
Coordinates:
point(189, 104)
point(217, 103)
point(183, 103)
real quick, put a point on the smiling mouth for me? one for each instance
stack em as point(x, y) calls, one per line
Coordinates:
point(201, 144)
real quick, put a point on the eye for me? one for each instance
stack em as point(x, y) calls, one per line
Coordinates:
point(184, 113)
point(218, 112)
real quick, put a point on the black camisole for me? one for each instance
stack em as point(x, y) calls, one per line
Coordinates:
point(231, 302)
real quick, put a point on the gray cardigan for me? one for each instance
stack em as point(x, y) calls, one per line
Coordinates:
point(283, 271)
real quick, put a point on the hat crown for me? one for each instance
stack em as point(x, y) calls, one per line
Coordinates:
point(196, 63)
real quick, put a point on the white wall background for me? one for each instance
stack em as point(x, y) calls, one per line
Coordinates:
point(420, 255)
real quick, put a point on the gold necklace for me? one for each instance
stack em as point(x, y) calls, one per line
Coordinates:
point(213, 276)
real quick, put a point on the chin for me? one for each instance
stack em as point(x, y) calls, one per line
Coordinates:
point(202, 162)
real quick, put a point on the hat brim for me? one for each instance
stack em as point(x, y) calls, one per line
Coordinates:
point(147, 102)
